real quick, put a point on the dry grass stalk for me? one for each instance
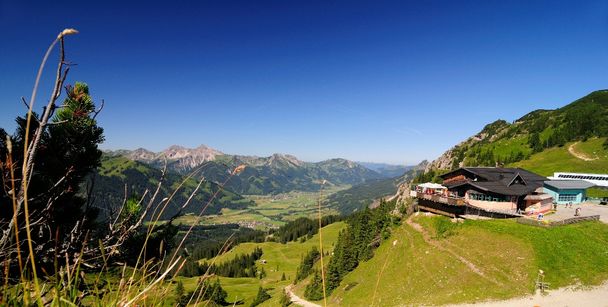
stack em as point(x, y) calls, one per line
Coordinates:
point(321, 244)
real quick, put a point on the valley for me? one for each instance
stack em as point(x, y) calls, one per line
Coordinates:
point(271, 211)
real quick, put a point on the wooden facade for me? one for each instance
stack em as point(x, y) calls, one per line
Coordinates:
point(504, 191)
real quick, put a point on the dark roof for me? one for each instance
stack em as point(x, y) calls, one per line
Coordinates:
point(569, 184)
point(501, 180)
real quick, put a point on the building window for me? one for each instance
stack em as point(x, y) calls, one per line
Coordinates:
point(484, 197)
point(567, 197)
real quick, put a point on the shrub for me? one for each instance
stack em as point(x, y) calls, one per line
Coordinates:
point(444, 227)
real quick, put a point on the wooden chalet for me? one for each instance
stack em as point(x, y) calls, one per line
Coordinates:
point(504, 192)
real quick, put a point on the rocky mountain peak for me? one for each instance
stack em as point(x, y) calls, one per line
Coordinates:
point(202, 153)
point(141, 154)
point(285, 159)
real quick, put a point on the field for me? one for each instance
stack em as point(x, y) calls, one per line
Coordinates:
point(560, 159)
point(269, 211)
point(280, 258)
point(407, 270)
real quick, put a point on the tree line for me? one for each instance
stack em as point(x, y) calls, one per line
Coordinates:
point(243, 265)
point(302, 226)
point(307, 263)
point(364, 233)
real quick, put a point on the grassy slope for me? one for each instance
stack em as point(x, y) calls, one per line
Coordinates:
point(284, 256)
point(413, 272)
point(559, 159)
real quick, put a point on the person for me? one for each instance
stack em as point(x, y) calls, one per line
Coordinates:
point(577, 212)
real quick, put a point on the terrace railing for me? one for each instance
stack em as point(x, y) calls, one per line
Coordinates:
point(448, 200)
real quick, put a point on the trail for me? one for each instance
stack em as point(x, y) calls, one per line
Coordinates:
point(569, 296)
point(579, 155)
point(427, 238)
point(298, 300)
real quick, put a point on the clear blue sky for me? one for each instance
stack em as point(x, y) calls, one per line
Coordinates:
point(370, 81)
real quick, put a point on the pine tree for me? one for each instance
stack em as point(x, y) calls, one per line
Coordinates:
point(314, 290)
point(307, 263)
point(216, 293)
point(67, 154)
point(535, 143)
point(261, 297)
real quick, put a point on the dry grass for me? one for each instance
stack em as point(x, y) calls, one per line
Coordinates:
point(146, 282)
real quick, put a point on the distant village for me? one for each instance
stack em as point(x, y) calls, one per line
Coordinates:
point(498, 192)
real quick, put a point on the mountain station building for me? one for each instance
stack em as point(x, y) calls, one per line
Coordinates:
point(493, 191)
point(567, 191)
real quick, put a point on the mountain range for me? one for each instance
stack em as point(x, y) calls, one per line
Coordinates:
point(387, 170)
point(274, 174)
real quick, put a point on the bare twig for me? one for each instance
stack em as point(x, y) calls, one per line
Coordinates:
point(96, 112)
point(25, 102)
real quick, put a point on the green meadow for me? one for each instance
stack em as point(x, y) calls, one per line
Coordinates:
point(406, 270)
point(279, 259)
point(559, 159)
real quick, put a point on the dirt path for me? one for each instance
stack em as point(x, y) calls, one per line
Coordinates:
point(298, 300)
point(579, 155)
point(427, 238)
point(568, 296)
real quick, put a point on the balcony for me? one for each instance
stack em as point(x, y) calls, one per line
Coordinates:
point(451, 201)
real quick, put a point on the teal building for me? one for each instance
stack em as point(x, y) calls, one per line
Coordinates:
point(567, 191)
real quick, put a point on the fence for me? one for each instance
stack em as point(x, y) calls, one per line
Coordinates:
point(568, 221)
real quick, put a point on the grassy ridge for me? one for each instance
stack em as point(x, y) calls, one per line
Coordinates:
point(412, 272)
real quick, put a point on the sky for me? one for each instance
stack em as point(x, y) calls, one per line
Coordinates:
point(379, 81)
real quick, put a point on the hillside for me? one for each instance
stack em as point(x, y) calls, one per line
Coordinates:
point(586, 157)
point(428, 260)
point(473, 261)
point(507, 143)
point(362, 195)
point(275, 174)
point(279, 258)
point(117, 171)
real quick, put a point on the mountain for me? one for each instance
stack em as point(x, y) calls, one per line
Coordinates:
point(360, 196)
point(387, 170)
point(117, 171)
point(503, 143)
point(180, 159)
point(277, 173)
